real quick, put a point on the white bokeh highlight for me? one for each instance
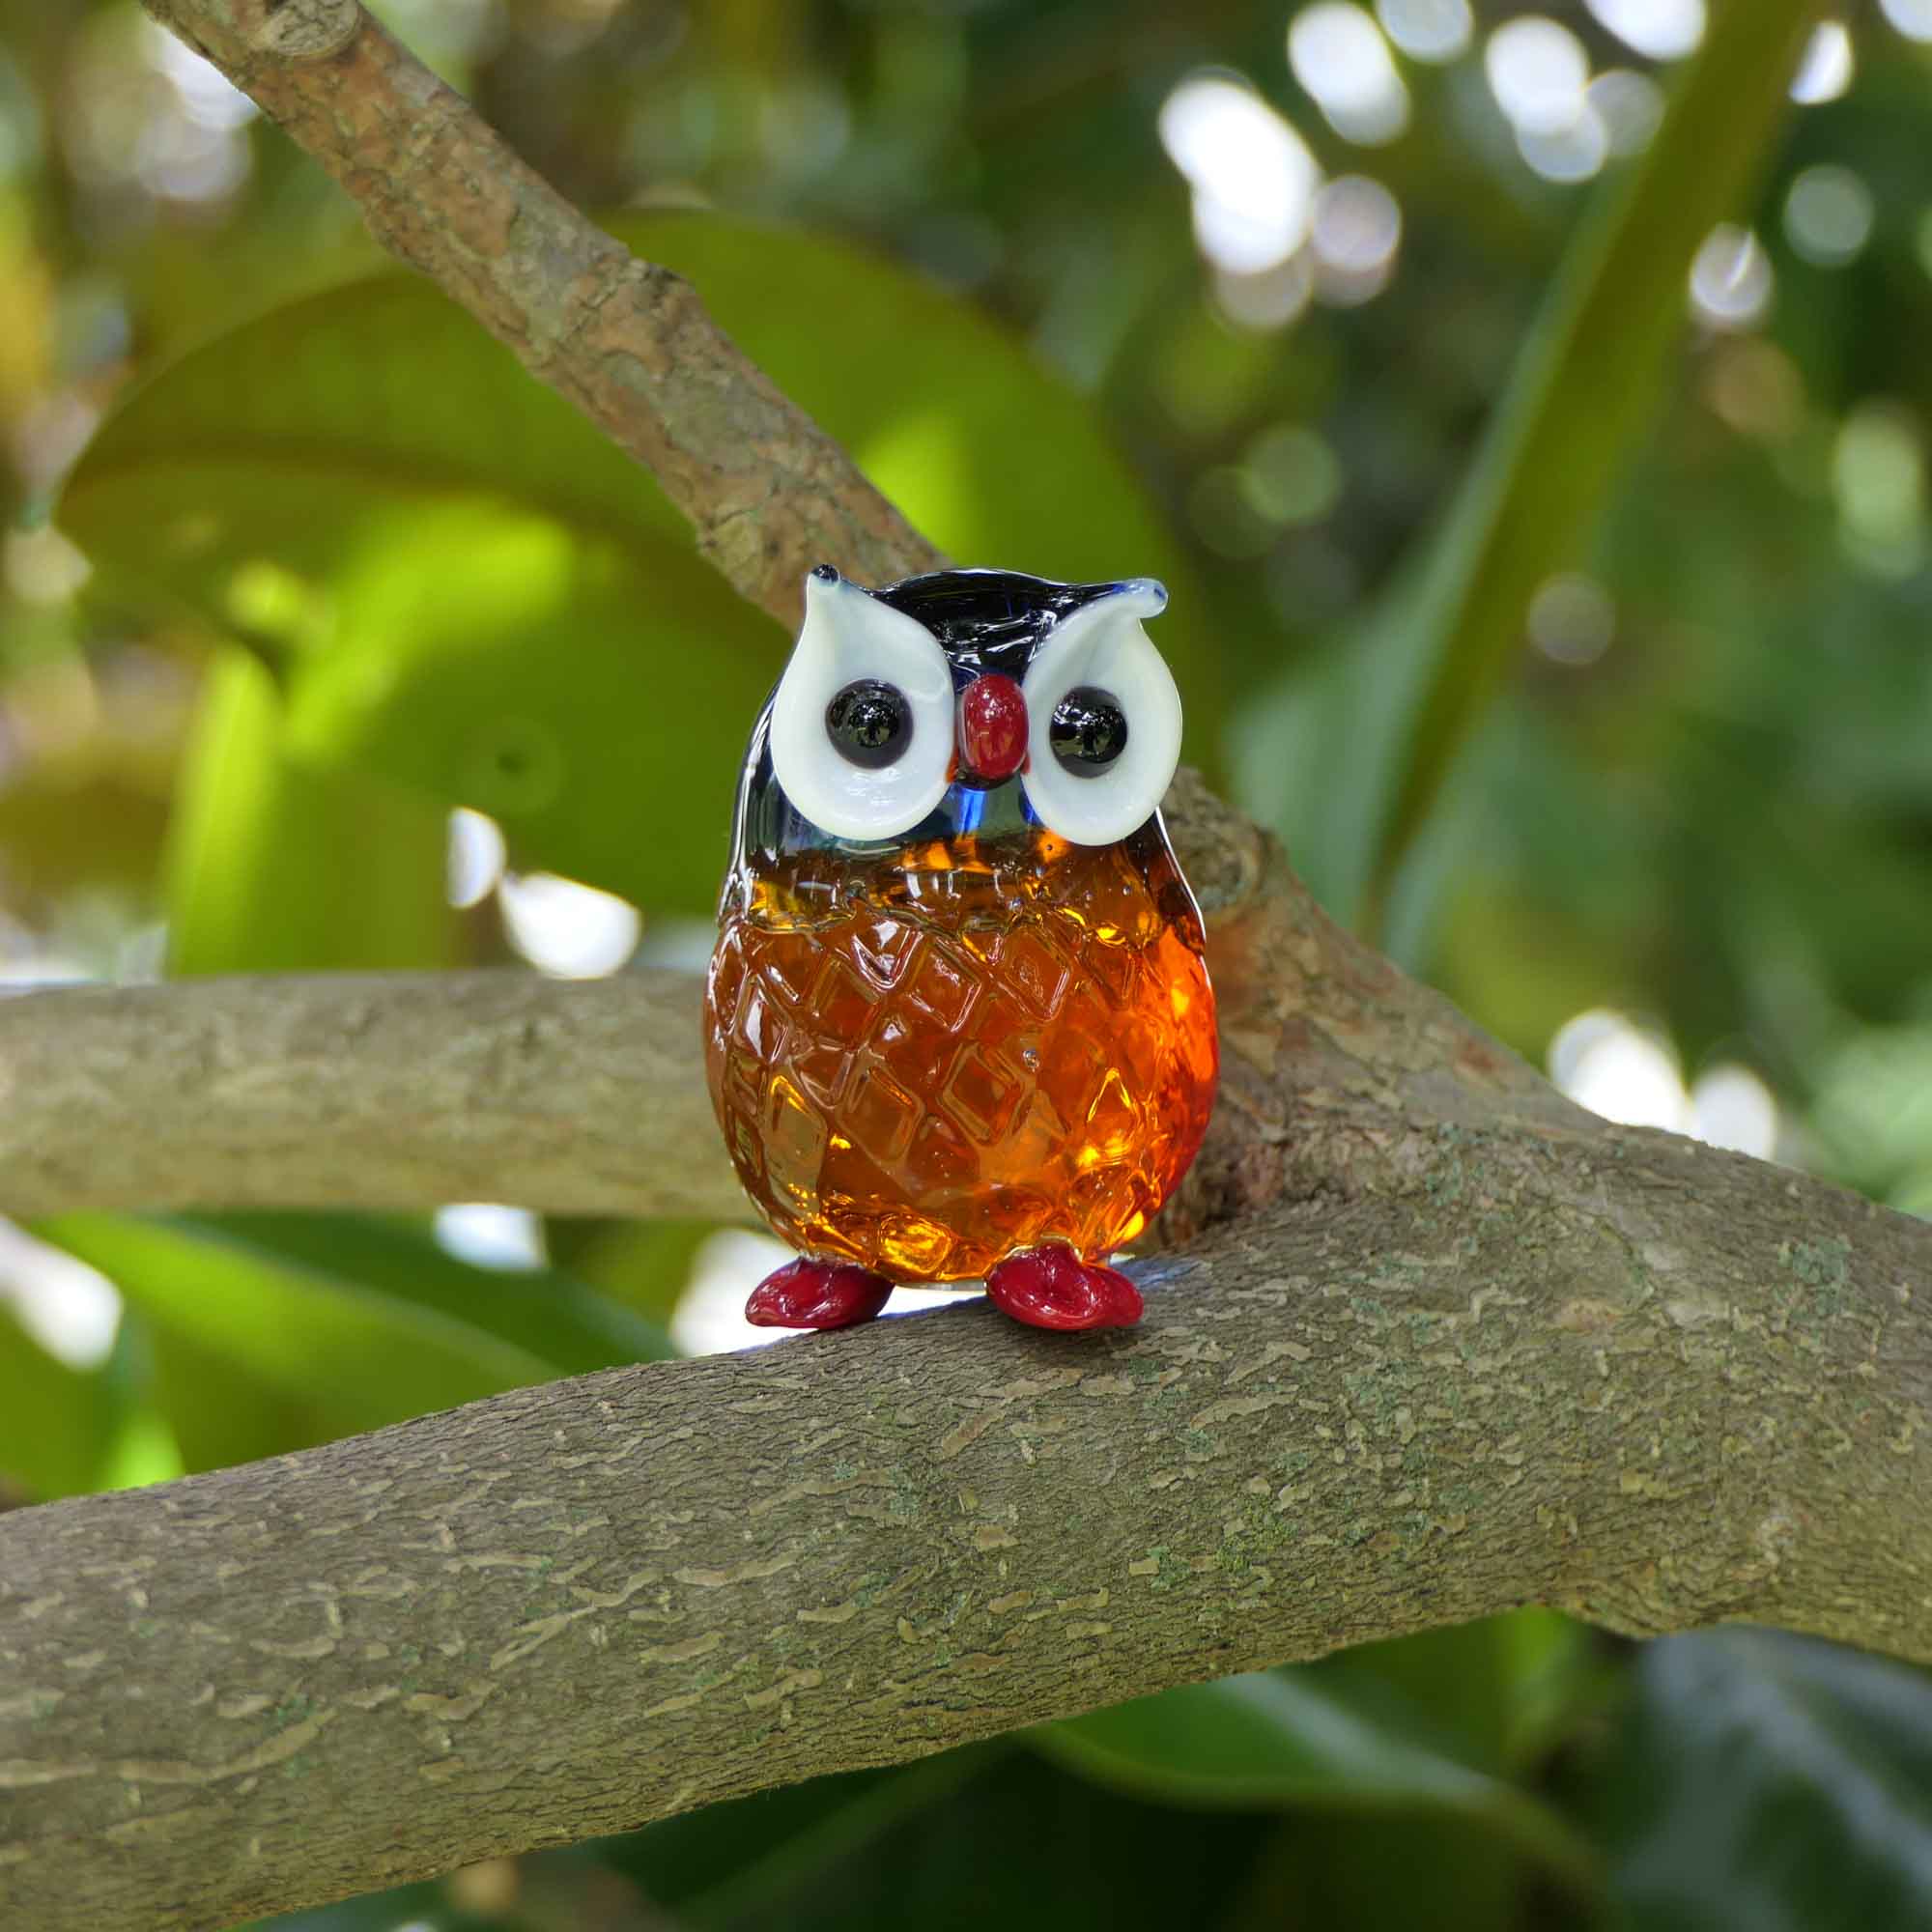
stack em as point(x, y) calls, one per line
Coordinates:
point(567, 929)
point(1828, 214)
point(1428, 30)
point(1826, 71)
point(1341, 59)
point(1912, 17)
point(72, 1310)
point(1252, 176)
point(1537, 71)
point(1629, 106)
point(1659, 30)
point(1604, 1061)
point(489, 1234)
point(1731, 282)
point(475, 867)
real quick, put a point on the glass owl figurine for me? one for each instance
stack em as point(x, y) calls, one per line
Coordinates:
point(959, 1024)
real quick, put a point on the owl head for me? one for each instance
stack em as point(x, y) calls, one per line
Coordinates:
point(965, 700)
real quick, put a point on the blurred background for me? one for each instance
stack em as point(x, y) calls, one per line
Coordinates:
point(328, 640)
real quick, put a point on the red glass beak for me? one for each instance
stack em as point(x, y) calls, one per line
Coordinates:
point(992, 727)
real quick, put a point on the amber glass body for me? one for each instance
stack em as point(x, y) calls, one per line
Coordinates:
point(925, 1060)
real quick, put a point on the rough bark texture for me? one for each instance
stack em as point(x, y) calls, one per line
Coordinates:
point(387, 1091)
point(768, 493)
point(1435, 1343)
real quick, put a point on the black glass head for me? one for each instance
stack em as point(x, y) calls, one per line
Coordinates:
point(985, 620)
point(989, 620)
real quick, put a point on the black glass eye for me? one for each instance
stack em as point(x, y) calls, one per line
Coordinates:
point(869, 724)
point(1088, 731)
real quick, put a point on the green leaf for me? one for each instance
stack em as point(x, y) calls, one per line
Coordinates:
point(373, 1911)
point(56, 1423)
point(1019, 1846)
point(468, 589)
point(593, 698)
point(1302, 1737)
point(1394, 1871)
point(552, 1314)
point(311, 1329)
point(1773, 1783)
point(714, 1865)
point(1504, 1688)
point(1352, 760)
point(643, 1265)
point(275, 866)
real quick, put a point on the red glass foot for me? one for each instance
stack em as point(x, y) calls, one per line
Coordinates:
point(806, 1293)
point(1053, 1288)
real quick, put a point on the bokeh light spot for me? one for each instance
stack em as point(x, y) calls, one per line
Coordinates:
point(569, 930)
point(1660, 30)
point(1731, 1107)
point(1342, 61)
point(1629, 106)
point(1292, 475)
point(1828, 216)
point(476, 855)
point(1354, 235)
point(1878, 478)
point(1912, 17)
point(1617, 1069)
point(1826, 71)
point(1253, 178)
point(1428, 30)
point(1730, 279)
point(1572, 153)
point(72, 1310)
point(1537, 71)
point(1268, 300)
point(1572, 619)
point(486, 1233)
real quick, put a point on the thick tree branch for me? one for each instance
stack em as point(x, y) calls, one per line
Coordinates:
point(768, 493)
point(1653, 1384)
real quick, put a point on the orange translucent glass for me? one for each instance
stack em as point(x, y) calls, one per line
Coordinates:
point(925, 1063)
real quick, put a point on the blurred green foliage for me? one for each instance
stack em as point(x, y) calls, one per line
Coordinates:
point(1579, 645)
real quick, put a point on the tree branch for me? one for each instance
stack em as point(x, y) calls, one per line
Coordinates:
point(1653, 1384)
point(372, 1091)
point(768, 493)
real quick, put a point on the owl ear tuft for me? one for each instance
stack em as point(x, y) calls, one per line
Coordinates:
point(1102, 647)
point(849, 636)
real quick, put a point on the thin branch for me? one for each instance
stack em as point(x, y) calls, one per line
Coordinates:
point(768, 493)
point(371, 1090)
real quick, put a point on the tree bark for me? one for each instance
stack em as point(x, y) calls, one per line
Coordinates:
point(768, 493)
point(379, 1091)
point(1650, 1383)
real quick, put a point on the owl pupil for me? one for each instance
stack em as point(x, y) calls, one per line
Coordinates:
point(1087, 731)
point(869, 724)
